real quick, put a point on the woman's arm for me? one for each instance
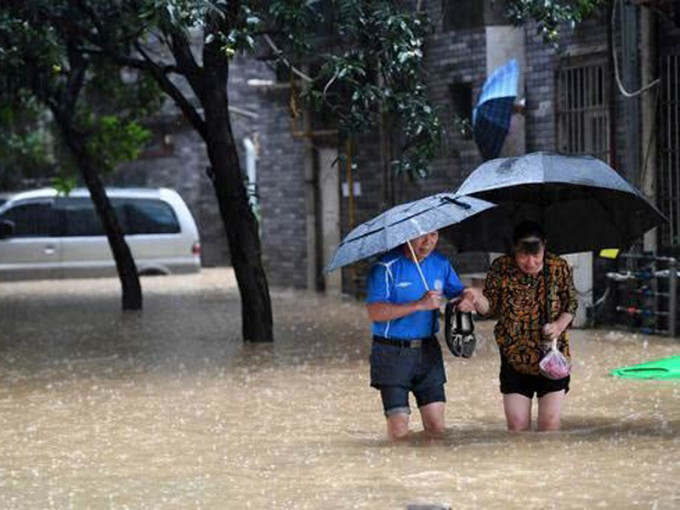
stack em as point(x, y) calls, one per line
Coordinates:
point(568, 302)
point(484, 301)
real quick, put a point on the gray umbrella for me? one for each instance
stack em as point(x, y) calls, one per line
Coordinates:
point(405, 222)
point(582, 203)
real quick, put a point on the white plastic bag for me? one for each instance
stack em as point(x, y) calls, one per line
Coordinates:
point(554, 365)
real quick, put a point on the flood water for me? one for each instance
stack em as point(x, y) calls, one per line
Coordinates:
point(167, 409)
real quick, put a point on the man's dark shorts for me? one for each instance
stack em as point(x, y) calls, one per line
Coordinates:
point(528, 385)
point(396, 371)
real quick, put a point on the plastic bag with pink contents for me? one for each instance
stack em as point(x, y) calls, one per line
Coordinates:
point(554, 365)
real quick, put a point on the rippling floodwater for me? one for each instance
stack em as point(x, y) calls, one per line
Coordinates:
point(167, 409)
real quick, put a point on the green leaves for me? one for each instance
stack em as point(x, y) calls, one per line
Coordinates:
point(550, 14)
point(114, 140)
point(64, 184)
point(48, 67)
point(371, 65)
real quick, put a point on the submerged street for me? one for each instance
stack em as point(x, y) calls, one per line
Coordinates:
point(168, 409)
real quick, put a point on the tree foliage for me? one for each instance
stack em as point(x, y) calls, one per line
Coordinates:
point(552, 15)
point(26, 142)
point(185, 47)
point(364, 57)
point(369, 62)
point(43, 72)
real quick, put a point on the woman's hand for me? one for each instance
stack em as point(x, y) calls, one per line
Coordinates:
point(553, 330)
point(467, 301)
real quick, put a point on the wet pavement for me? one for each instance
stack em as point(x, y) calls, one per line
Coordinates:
point(167, 409)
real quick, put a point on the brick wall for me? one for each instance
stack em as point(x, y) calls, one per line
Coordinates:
point(543, 60)
point(282, 195)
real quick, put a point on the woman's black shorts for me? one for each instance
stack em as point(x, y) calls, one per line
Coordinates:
point(527, 384)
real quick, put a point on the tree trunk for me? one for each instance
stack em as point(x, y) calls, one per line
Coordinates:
point(125, 264)
point(239, 221)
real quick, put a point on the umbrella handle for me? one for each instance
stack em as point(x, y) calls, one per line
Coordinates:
point(420, 271)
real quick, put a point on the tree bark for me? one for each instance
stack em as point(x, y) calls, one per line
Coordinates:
point(239, 221)
point(209, 84)
point(125, 263)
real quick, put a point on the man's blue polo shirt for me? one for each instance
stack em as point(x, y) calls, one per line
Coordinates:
point(395, 279)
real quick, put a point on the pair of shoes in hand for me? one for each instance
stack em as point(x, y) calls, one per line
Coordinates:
point(459, 332)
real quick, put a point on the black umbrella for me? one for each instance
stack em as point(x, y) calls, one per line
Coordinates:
point(404, 222)
point(581, 202)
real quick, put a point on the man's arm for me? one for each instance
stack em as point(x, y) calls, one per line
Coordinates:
point(382, 311)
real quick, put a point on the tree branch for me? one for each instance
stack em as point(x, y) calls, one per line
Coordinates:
point(76, 79)
point(279, 54)
point(177, 96)
point(124, 60)
point(181, 49)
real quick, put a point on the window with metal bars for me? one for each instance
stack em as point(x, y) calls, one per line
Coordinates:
point(583, 107)
point(668, 149)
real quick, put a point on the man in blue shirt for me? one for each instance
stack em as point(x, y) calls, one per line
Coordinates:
point(405, 355)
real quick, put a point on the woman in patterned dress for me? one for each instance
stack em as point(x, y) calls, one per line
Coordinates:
point(528, 321)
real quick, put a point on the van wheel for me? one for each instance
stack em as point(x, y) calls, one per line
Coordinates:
point(152, 272)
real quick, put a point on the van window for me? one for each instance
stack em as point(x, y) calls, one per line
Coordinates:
point(146, 216)
point(32, 219)
point(136, 216)
point(81, 219)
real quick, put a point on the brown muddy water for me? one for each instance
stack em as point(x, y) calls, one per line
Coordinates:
point(167, 409)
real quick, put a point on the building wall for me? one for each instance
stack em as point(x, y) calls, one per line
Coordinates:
point(542, 64)
point(282, 195)
point(668, 31)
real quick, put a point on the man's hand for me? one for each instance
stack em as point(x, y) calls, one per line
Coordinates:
point(430, 301)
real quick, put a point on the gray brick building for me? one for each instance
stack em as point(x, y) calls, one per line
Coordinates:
point(303, 192)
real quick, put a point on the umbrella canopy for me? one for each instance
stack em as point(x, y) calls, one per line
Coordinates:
point(581, 202)
point(491, 117)
point(403, 223)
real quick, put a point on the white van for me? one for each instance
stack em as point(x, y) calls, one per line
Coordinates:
point(46, 235)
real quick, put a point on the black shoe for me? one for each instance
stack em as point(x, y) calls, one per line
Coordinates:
point(469, 342)
point(462, 346)
point(459, 332)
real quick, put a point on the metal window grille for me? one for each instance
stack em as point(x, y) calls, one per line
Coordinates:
point(583, 108)
point(668, 149)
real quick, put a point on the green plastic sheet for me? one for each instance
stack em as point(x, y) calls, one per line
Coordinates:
point(666, 368)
